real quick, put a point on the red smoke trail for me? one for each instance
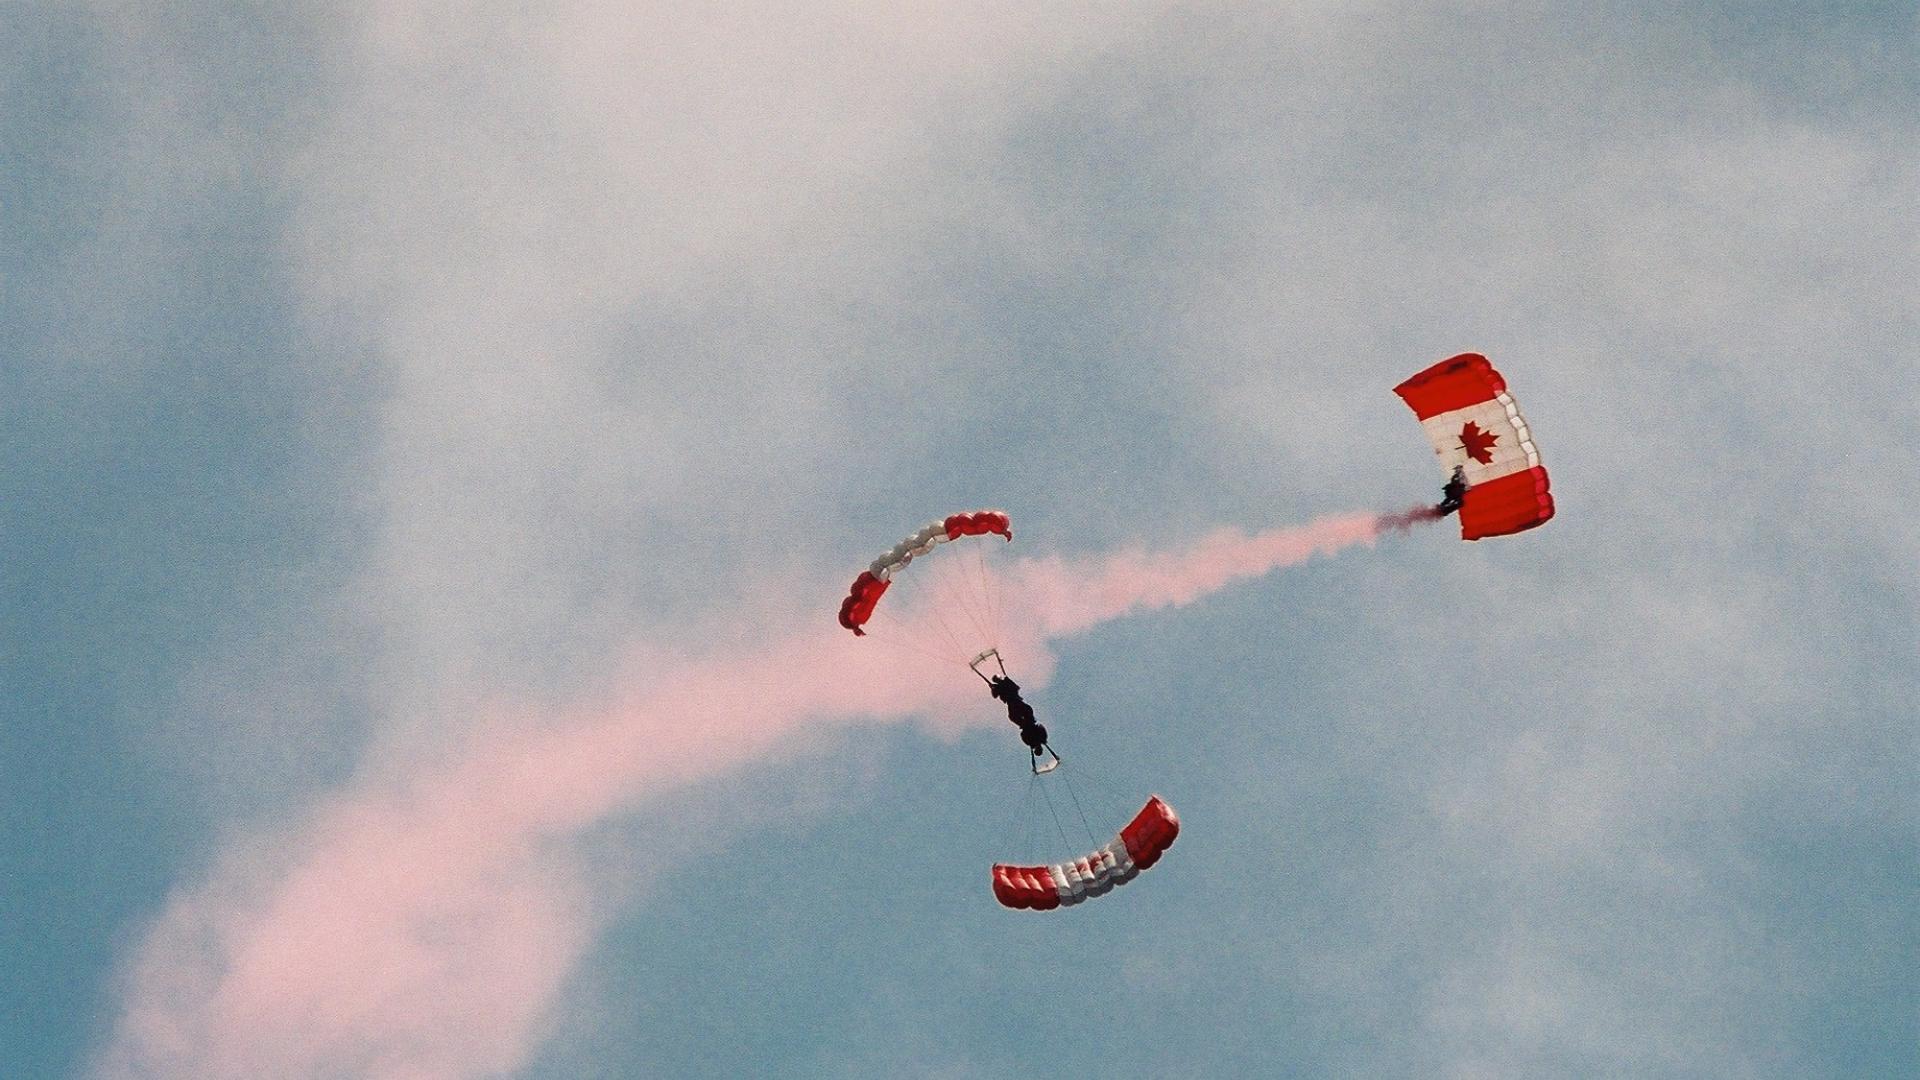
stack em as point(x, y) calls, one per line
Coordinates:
point(424, 929)
point(1068, 597)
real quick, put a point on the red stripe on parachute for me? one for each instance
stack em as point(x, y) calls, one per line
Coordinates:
point(857, 608)
point(1511, 504)
point(1454, 383)
point(979, 523)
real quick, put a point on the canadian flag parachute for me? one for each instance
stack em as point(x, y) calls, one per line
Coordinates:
point(1480, 437)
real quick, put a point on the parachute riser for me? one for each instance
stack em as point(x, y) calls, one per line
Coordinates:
point(982, 658)
point(1041, 768)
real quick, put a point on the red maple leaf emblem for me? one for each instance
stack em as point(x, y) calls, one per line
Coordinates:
point(1477, 443)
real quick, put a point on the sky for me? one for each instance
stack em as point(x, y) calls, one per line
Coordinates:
point(434, 440)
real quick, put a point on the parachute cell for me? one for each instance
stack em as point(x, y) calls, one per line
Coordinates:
point(1136, 848)
point(1477, 432)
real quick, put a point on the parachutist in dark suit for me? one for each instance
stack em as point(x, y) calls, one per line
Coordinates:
point(1032, 731)
point(1454, 493)
point(1004, 689)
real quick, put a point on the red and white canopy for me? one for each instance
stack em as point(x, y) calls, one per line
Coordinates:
point(1463, 404)
point(1137, 847)
point(872, 583)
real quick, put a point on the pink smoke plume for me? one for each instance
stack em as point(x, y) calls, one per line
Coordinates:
point(422, 930)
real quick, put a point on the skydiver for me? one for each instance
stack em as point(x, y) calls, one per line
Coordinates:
point(1454, 493)
point(1032, 732)
point(1003, 688)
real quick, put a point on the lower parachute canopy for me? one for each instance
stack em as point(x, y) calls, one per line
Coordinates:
point(1478, 433)
point(1136, 848)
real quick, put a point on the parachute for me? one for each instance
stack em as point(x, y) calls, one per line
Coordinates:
point(1120, 860)
point(1483, 443)
point(871, 585)
point(955, 618)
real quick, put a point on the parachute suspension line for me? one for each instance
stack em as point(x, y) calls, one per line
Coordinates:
point(966, 594)
point(894, 635)
point(988, 593)
point(954, 647)
point(1091, 839)
point(989, 590)
point(1108, 801)
point(1026, 813)
point(983, 590)
point(976, 592)
point(1027, 846)
point(938, 601)
point(954, 572)
point(951, 599)
point(1064, 842)
point(1022, 813)
point(881, 626)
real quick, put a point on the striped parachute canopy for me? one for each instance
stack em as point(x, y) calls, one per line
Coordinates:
point(1476, 428)
point(865, 593)
point(1063, 884)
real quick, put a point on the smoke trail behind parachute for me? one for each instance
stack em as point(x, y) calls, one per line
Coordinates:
point(442, 904)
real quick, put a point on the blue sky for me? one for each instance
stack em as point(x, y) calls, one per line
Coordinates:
point(376, 381)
